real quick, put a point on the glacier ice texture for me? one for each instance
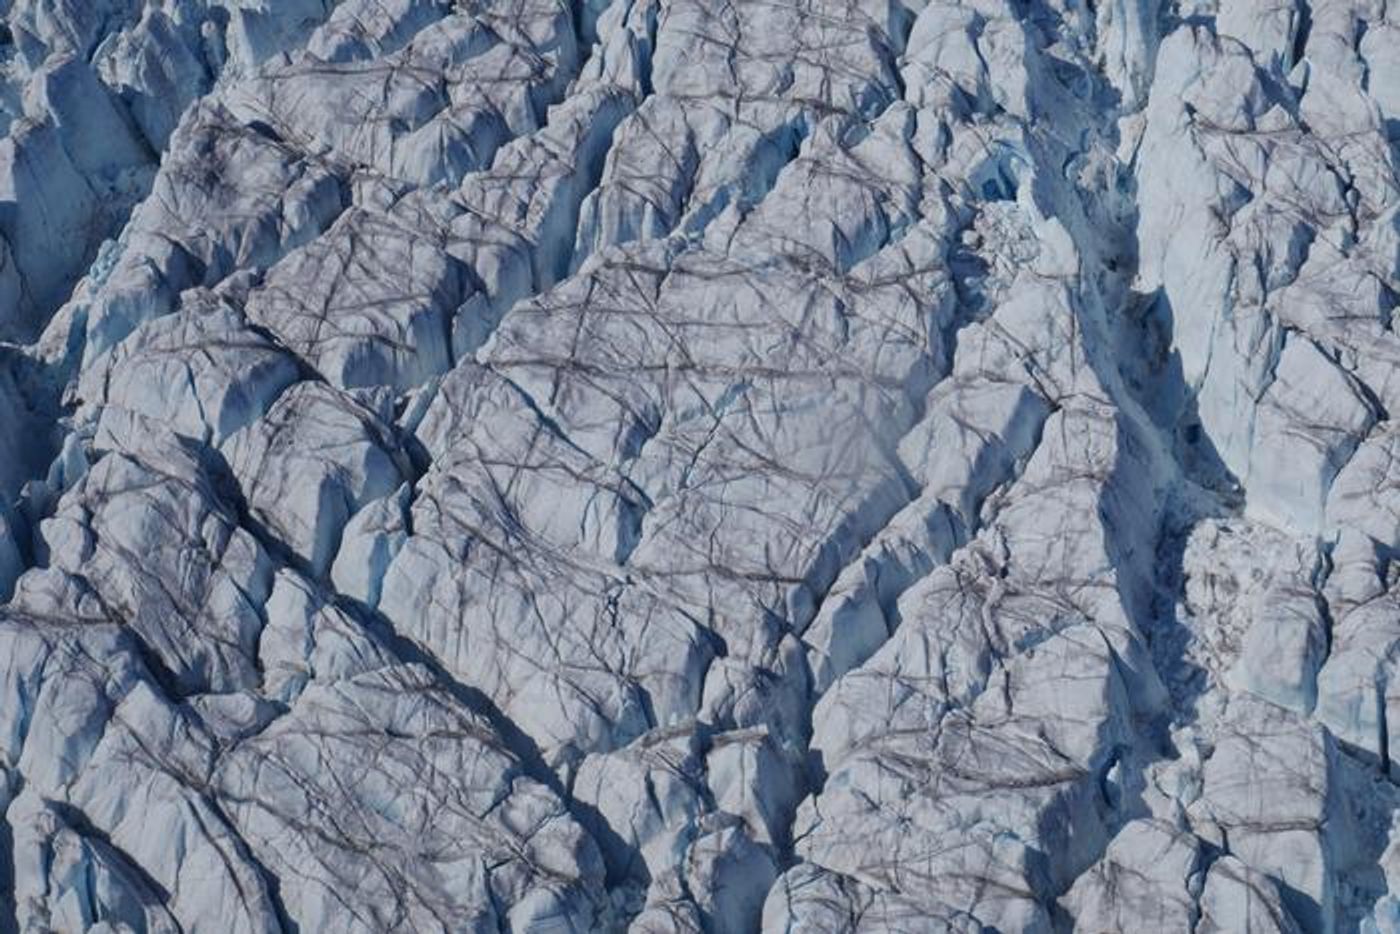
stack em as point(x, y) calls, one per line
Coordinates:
point(673, 465)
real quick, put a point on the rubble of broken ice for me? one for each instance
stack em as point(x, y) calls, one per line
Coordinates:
point(653, 465)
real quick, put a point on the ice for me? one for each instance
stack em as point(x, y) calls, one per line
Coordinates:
point(313, 461)
point(203, 371)
point(1144, 880)
point(477, 834)
point(854, 465)
point(1238, 898)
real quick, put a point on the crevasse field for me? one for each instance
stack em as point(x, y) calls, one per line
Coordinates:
point(699, 466)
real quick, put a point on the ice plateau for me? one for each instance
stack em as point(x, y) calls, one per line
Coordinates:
point(699, 465)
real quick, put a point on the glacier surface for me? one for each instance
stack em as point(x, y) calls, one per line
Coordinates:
point(677, 465)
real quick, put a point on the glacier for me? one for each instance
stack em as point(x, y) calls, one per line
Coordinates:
point(677, 465)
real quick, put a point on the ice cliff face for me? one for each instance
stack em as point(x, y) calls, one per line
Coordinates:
point(670, 465)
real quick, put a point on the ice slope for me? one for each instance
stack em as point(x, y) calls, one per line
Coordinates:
point(667, 465)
